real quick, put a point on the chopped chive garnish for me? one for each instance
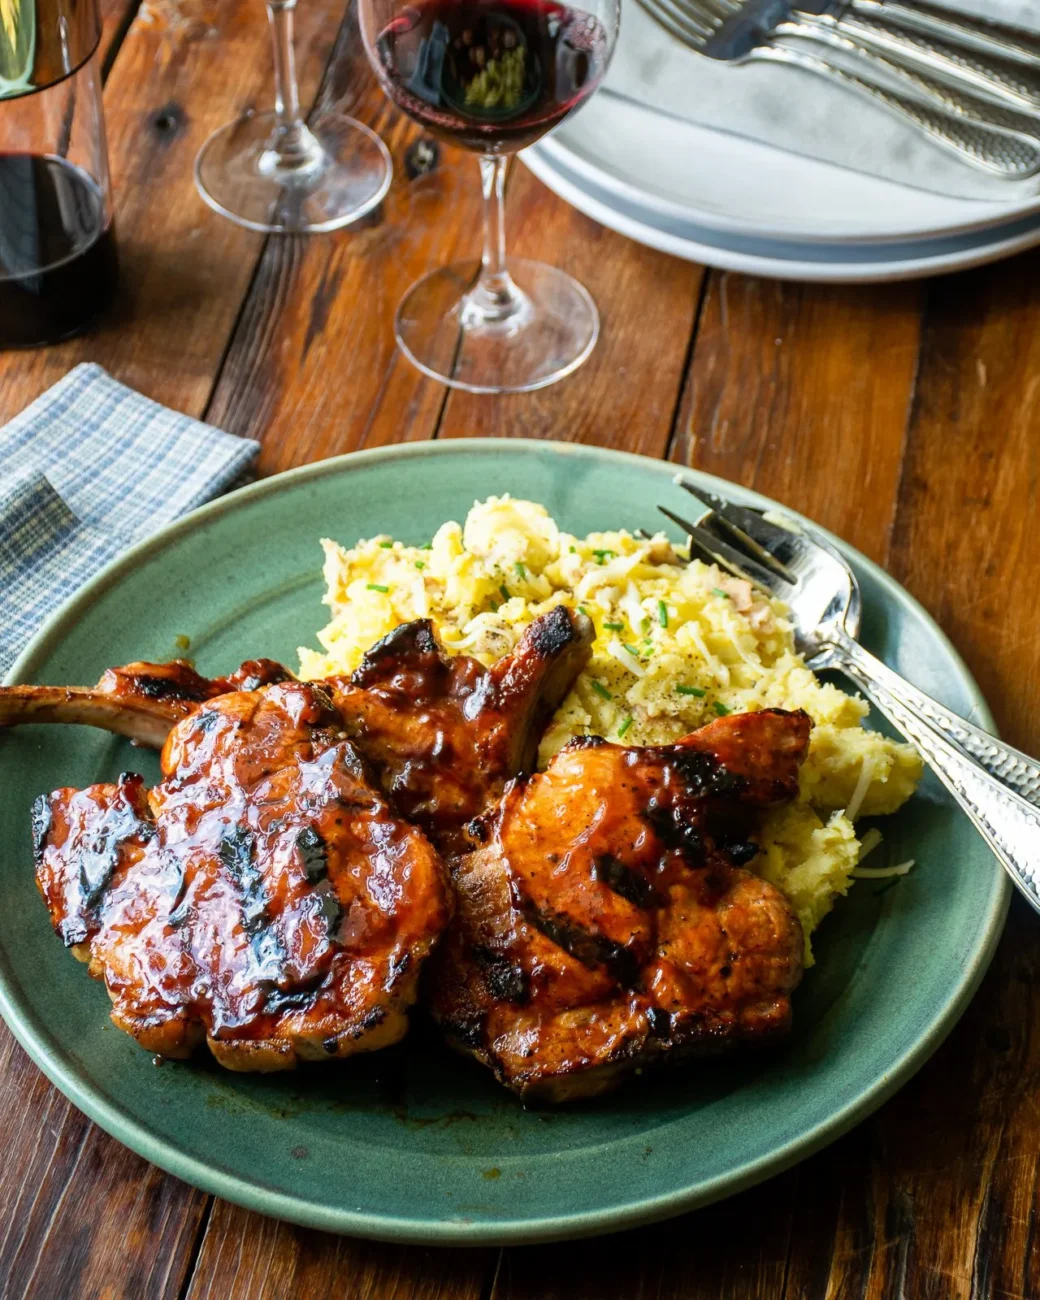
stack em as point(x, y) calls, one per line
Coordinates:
point(630, 648)
point(891, 884)
point(644, 626)
point(520, 570)
point(377, 586)
point(624, 727)
point(691, 690)
point(182, 642)
point(419, 564)
point(720, 708)
point(494, 608)
point(614, 627)
point(603, 555)
point(426, 546)
point(662, 613)
point(717, 591)
point(386, 545)
point(600, 689)
point(583, 610)
point(574, 550)
point(504, 591)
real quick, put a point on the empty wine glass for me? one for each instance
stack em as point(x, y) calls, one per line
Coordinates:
point(492, 76)
point(273, 172)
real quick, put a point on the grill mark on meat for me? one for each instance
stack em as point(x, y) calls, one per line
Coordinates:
point(592, 950)
point(627, 882)
point(41, 825)
point(505, 979)
point(97, 857)
point(313, 854)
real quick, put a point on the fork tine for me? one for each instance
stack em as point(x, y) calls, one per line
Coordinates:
point(771, 537)
point(721, 514)
point(729, 558)
point(682, 27)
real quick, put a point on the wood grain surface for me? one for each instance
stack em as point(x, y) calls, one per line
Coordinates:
point(904, 417)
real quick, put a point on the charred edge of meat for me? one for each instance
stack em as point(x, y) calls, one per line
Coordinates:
point(193, 689)
point(704, 774)
point(505, 980)
point(741, 852)
point(592, 950)
point(255, 673)
point(299, 997)
point(660, 1023)
point(405, 642)
point(628, 883)
point(589, 741)
point(42, 819)
point(551, 634)
point(465, 1031)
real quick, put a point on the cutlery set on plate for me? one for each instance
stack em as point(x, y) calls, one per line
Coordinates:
point(972, 87)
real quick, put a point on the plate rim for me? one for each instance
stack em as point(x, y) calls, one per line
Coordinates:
point(641, 229)
point(89, 1098)
point(733, 224)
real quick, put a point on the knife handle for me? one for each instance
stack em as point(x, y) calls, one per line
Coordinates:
point(1007, 153)
point(994, 39)
point(1009, 83)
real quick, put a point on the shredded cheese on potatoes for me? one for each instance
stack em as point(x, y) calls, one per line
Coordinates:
point(677, 644)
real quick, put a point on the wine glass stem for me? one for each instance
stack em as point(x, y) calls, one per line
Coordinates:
point(494, 297)
point(292, 151)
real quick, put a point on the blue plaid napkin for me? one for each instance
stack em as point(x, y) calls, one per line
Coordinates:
point(85, 471)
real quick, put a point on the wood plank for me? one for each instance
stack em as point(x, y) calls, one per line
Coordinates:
point(736, 1248)
point(186, 66)
point(803, 392)
point(624, 396)
point(115, 19)
point(81, 1215)
point(967, 542)
point(313, 370)
point(248, 1257)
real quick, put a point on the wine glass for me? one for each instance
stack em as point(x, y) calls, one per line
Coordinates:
point(492, 76)
point(273, 172)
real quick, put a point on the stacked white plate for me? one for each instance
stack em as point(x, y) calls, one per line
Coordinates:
point(727, 201)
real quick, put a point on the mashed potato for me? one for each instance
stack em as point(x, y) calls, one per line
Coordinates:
point(677, 644)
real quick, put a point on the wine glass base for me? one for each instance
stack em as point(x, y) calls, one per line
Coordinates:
point(550, 336)
point(234, 176)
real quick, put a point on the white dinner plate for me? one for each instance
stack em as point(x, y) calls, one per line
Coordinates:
point(641, 218)
point(728, 185)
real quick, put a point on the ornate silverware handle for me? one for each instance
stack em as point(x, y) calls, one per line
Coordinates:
point(1014, 769)
point(999, 150)
point(993, 39)
point(1009, 82)
point(1009, 823)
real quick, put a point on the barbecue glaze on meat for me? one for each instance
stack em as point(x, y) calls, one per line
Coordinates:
point(264, 896)
point(445, 734)
point(605, 923)
point(268, 895)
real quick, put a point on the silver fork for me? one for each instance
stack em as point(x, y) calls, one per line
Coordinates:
point(981, 134)
point(996, 785)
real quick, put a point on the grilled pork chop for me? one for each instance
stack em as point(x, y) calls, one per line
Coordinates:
point(442, 734)
point(264, 896)
point(606, 922)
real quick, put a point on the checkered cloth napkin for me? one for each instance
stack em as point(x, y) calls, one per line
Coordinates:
point(87, 470)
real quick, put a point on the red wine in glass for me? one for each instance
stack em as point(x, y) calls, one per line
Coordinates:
point(491, 75)
point(58, 262)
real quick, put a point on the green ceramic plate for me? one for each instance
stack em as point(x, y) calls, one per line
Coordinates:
point(415, 1144)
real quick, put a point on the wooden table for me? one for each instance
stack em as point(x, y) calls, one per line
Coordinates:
point(894, 415)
